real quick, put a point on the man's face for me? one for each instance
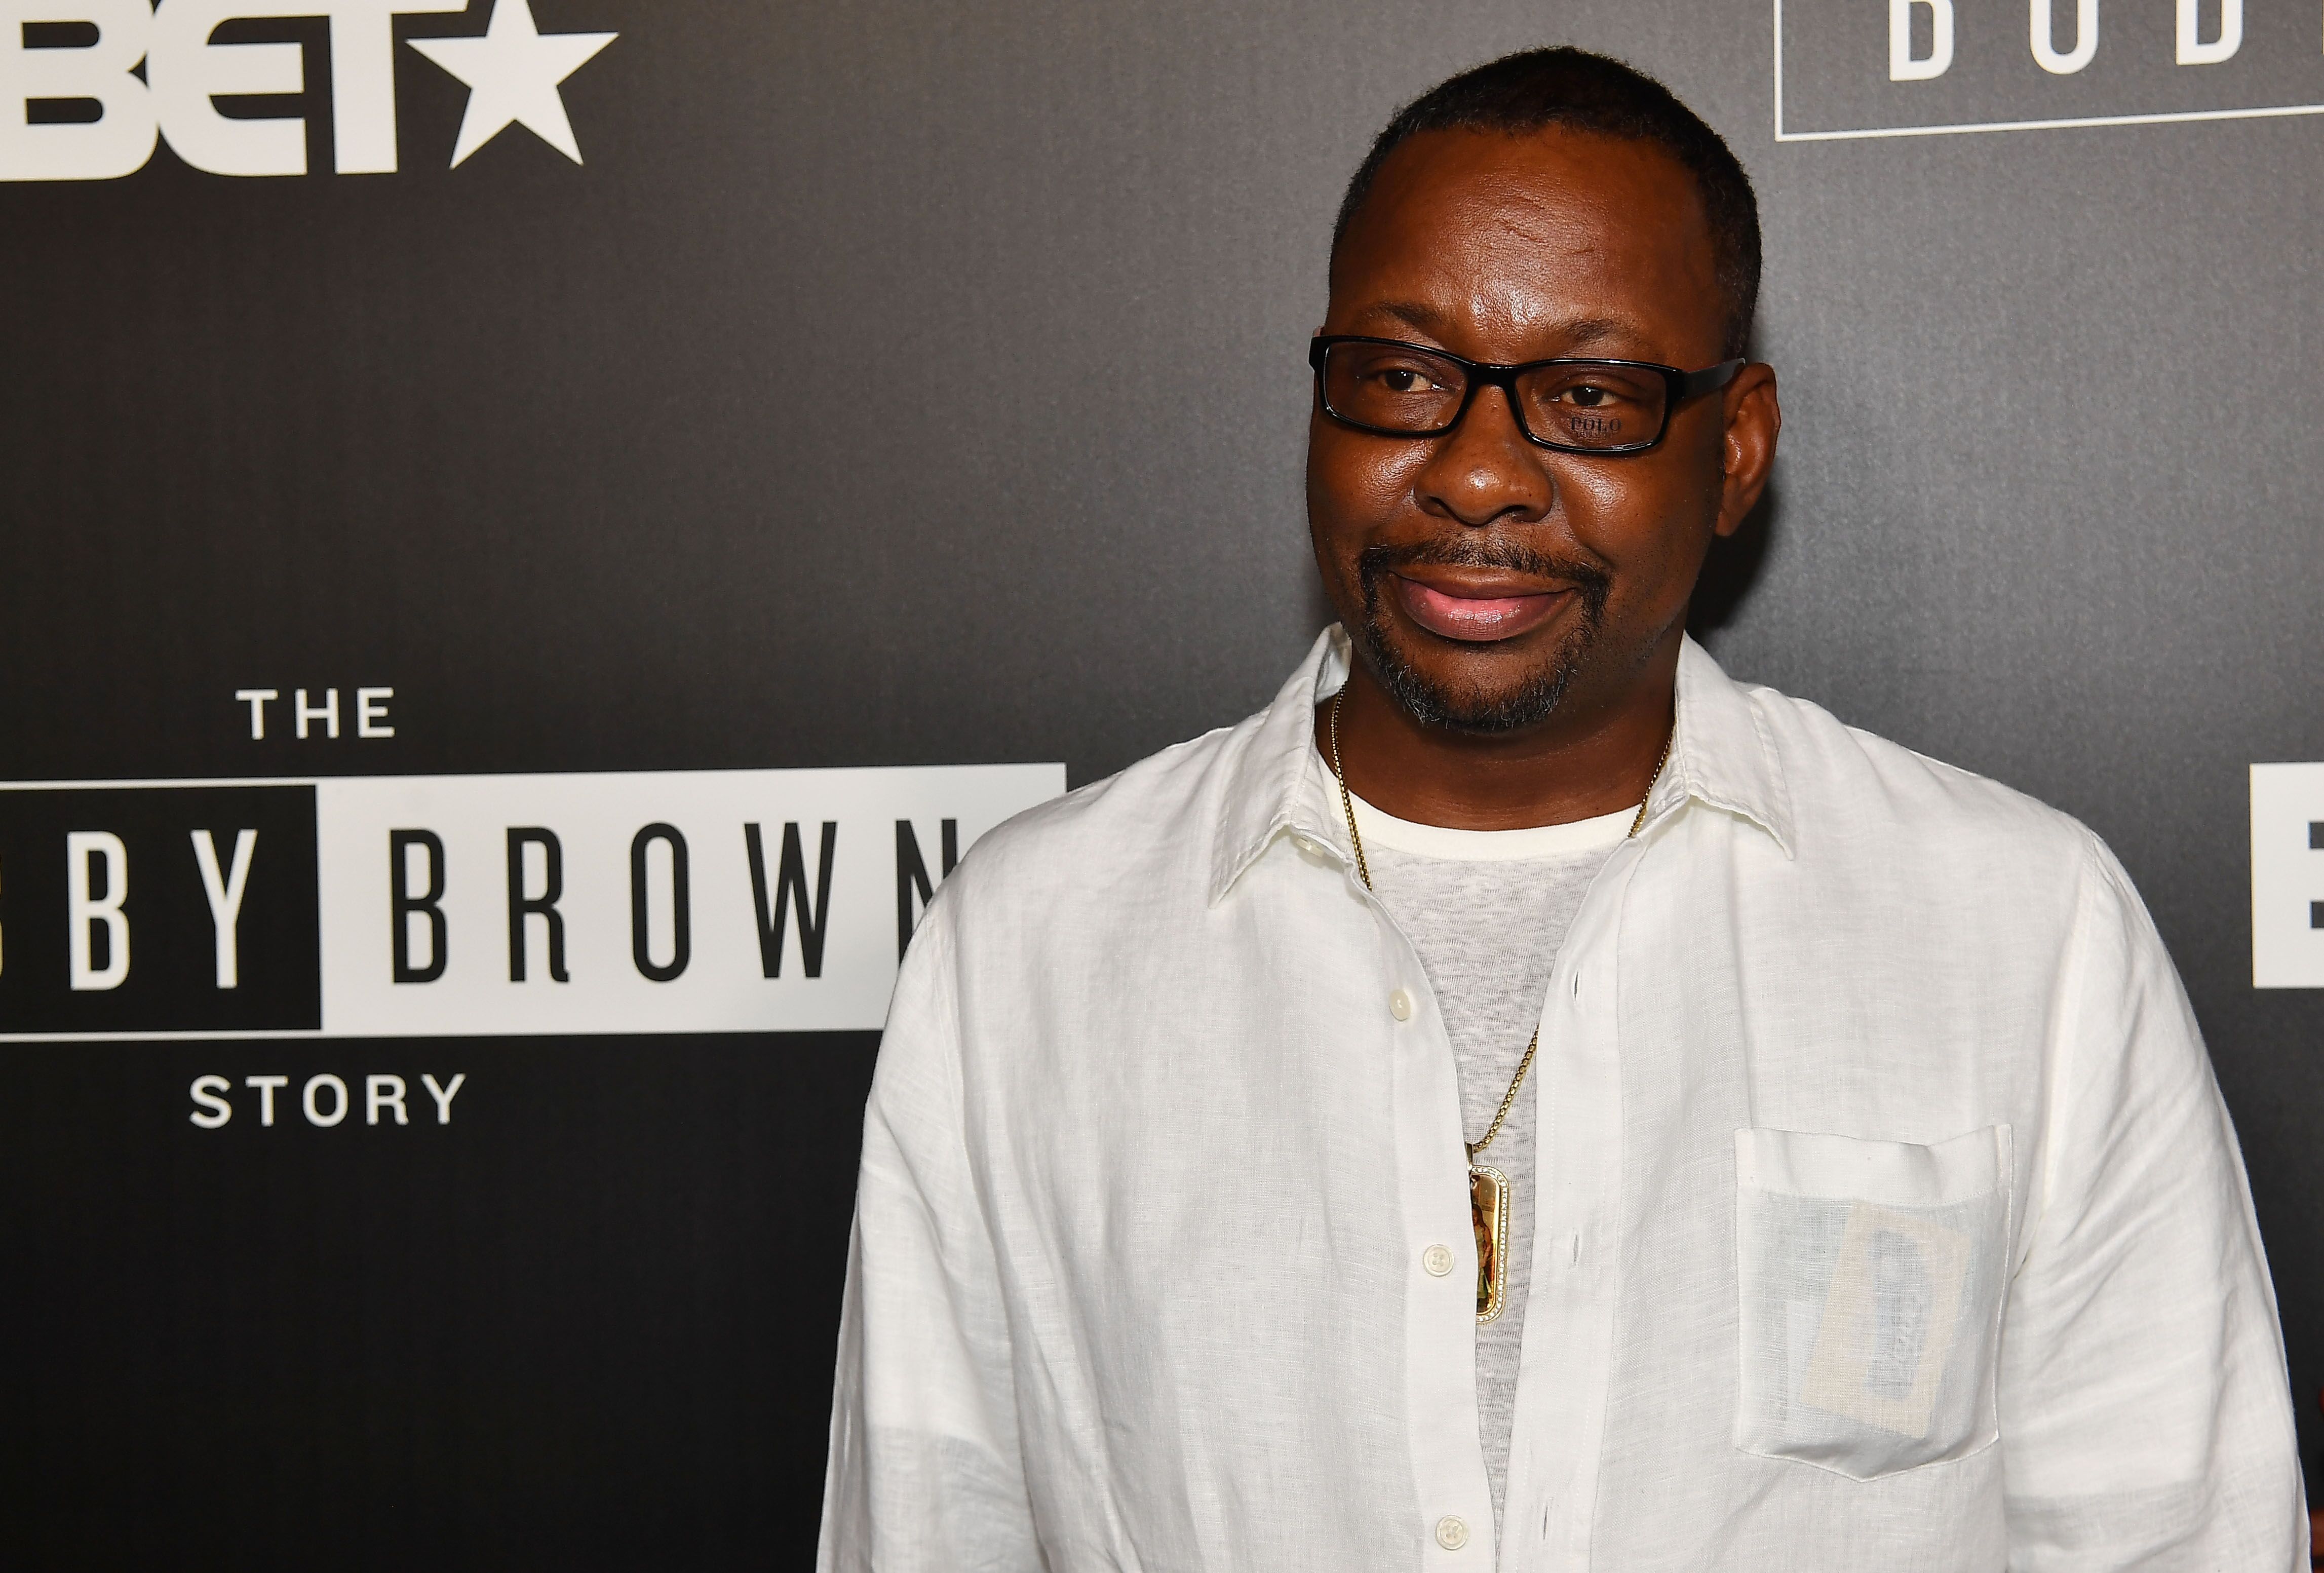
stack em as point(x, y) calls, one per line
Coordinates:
point(1489, 582)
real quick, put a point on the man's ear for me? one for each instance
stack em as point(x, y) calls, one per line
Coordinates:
point(1755, 419)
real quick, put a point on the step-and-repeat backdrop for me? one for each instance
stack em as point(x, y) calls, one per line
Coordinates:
point(538, 530)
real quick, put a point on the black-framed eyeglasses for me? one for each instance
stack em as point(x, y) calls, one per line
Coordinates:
point(1573, 405)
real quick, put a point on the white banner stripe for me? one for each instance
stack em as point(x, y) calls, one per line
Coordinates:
point(647, 902)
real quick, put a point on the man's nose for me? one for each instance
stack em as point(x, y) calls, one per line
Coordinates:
point(1486, 470)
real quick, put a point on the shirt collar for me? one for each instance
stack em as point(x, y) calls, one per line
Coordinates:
point(1720, 754)
point(1723, 752)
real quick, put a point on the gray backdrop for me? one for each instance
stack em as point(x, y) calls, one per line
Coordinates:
point(641, 464)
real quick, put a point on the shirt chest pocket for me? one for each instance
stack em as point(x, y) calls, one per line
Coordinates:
point(1869, 1277)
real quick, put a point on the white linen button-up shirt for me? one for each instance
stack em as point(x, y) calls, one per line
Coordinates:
point(1887, 1214)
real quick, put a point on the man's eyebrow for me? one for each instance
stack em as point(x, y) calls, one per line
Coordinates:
point(1581, 333)
point(1416, 314)
point(1588, 332)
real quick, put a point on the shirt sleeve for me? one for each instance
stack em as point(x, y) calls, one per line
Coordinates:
point(925, 1471)
point(2145, 1411)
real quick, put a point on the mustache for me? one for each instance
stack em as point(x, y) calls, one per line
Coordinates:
point(1378, 559)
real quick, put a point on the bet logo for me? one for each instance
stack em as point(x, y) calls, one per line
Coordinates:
point(75, 106)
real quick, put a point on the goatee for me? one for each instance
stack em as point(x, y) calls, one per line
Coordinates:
point(1535, 697)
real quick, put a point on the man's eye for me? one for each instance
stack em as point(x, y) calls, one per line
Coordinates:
point(1404, 380)
point(1588, 395)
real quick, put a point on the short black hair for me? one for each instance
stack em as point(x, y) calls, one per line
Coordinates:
point(1537, 89)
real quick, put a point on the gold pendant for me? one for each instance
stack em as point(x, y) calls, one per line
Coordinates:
point(1488, 1212)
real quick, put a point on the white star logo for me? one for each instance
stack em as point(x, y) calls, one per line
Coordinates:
point(512, 72)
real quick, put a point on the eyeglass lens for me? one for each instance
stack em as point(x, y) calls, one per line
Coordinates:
point(1576, 404)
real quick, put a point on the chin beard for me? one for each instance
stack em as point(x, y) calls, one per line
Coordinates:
point(1535, 697)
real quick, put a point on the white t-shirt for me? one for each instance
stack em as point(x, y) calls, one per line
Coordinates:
point(1487, 910)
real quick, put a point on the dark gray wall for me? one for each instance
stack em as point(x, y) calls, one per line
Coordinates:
point(909, 383)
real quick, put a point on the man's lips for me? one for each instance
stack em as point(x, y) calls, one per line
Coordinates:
point(1478, 612)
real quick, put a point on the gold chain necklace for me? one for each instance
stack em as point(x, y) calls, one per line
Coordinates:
point(1488, 1188)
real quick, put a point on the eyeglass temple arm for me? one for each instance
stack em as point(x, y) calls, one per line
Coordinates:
point(1708, 378)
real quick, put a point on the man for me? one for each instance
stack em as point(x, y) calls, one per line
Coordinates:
point(1524, 1100)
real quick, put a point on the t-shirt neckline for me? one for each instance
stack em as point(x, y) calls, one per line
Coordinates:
point(1381, 829)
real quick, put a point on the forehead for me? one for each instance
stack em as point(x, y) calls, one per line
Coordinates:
point(1517, 243)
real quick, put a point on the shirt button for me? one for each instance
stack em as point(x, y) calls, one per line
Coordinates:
point(1399, 1005)
point(1309, 845)
point(1450, 1532)
point(1437, 1260)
